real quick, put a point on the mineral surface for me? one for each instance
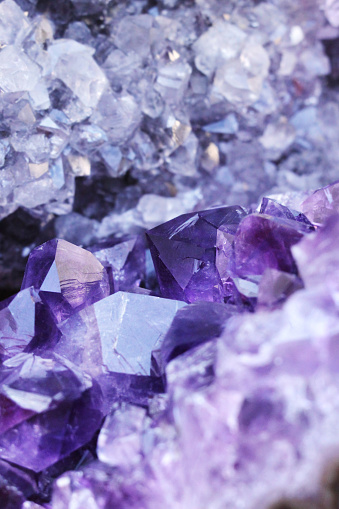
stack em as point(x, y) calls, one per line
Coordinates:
point(196, 366)
point(127, 399)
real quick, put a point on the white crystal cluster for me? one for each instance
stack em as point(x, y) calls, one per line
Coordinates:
point(205, 103)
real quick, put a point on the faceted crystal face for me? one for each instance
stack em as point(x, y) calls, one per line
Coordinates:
point(68, 277)
point(17, 322)
point(48, 408)
point(192, 326)
point(184, 252)
point(276, 209)
point(263, 242)
point(322, 204)
point(117, 334)
point(26, 324)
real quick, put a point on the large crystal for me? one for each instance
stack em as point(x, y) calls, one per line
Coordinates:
point(118, 333)
point(48, 408)
point(188, 253)
point(72, 63)
point(263, 241)
point(67, 277)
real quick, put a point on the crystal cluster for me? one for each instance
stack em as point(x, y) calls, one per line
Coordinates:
point(112, 396)
point(117, 116)
point(168, 277)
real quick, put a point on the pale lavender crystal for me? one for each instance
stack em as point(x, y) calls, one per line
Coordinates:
point(191, 252)
point(13, 23)
point(22, 319)
point(67, 277)
point(276, 286)
point(124, 260)
point(120, 438)
point(117, 334)
point(322, 204)
point(49, 409)
point(317, 256)
point(72, 63)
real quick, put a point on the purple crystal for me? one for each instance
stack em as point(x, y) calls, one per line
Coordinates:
point(49, 409)
point(15, 486)
point(273, 208)
point(124, 260)
point(193, 325)
point(68, 277)
point(264, 242)
point(25, 323)
point(186, 253)
point(117, 334)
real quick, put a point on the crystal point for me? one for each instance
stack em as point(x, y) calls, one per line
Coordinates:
point(67, 276)
point(185, 253)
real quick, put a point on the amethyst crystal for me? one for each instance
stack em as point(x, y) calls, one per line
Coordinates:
point(244, 391)
point(322, 204)
point(26, 324)
point(117, 334)
point(263, 242)
point(48, 407)
point(189, 253)
point(68, 277)
point(223, 253)
point(193, 325)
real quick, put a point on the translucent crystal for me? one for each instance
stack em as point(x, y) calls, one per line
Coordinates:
point(67, 277)
point(118, 333)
